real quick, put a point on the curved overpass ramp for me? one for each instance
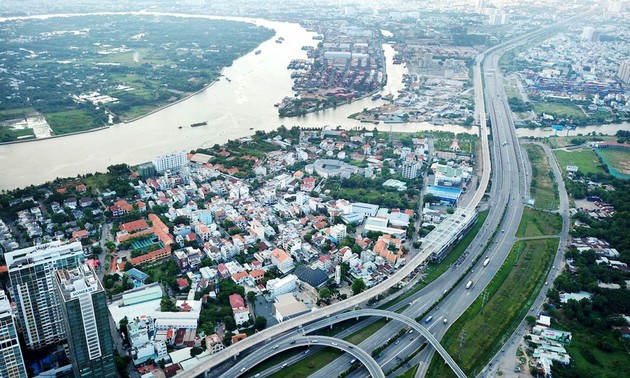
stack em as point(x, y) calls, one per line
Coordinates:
point(390, 315)
point(263, 354)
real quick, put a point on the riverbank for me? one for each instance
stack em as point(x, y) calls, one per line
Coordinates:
point(57, 136)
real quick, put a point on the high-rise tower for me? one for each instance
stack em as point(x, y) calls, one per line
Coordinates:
point(32, 275)
point(11, 360)
point(85, 314)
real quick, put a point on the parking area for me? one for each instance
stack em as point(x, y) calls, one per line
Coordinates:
point(264, 308)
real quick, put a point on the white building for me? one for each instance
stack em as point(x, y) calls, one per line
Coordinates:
point(31, 271)
point(11, 360)
point(624, 71)
point(278, 286)
point(410, 169)
point(171, 161)
point(282, 260)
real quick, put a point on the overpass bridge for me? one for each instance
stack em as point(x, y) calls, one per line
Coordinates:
point(289, 342)
point(285, 344)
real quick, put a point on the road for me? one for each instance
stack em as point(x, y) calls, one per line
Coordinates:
point(275, 347)
point(505, 360)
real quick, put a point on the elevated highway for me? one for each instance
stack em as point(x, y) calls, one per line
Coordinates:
point(263, 354)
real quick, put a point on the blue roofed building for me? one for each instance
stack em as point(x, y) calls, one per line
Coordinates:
point(450, 195)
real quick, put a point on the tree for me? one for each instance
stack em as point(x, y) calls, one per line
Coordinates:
point(167, 304)
point(429, 198)
point(260, 323)
point(251, 296)
point(358, 285)
point(325, 293)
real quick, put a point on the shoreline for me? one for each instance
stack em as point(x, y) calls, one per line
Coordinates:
point(159, 108)
point(165, 106)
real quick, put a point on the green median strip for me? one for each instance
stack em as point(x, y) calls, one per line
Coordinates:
point(481, 330)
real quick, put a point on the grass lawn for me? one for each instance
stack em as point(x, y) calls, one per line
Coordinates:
point(411, 373)
point(309, 365)
point(99, 181)
point(538, 223)
point(618, 161)
point(15, 113)
point(71, 121)
point(558, 110)
point(565, 141)
point(359, 337)
point(479, 333)
point(585, 159)
point(543, 188)
point(435, 270)
point(8, 134)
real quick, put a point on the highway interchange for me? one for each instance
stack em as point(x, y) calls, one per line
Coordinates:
point(508, 191)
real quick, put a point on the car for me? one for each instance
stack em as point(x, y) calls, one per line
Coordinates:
point(292, 342)
point(397, 342)
point(243, 369)
point(257, 375)
point(306, 351)
point(315, 341)
point(411, 331)
point(353, 360)
point(334, 343)
point(276, 346)
point(445, 320)
point(284, 365)
point(350, 346)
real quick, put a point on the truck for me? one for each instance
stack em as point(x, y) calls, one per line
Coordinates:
point(469, 284)
point(486, 261)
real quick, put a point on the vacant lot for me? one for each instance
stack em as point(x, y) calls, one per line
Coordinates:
point(479, 333)
point(585, 159)
point(543, 187)
point(558, 110)
point(618, 161)
point(539, 223)
point(72, 121)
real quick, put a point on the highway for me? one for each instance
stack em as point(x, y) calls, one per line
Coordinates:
point(274, 348)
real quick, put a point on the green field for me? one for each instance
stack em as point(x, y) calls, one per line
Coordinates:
point(411, 373)
point(8, 134)
point(543, 187)
point(618, 161)
point(15, 113)
point(72, 121)
point(538, 223)
point(309, 365)
point(479, 333)
point(558, 110)
point(585, 159)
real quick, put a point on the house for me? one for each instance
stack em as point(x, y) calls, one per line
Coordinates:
point(86, 202)
point(282, 260)
point(134, 226)
point(80, 235)
point(257, 275)
point(214, 344)
point(121, 207)
point(241, 312)
point(182, 283)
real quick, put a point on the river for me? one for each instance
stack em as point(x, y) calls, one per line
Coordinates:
point(233, 109)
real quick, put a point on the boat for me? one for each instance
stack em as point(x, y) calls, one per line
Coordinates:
point(179, 127)
point(376, 97)
point(251, 128)
point(199, 124)
point(228, 79)
point(257, 52)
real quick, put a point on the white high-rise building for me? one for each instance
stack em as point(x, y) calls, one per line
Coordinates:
point(32, 274)
point(173, 161)
point(587, 33)
point(624, 71)
point(11, 360)
point(410, 169)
